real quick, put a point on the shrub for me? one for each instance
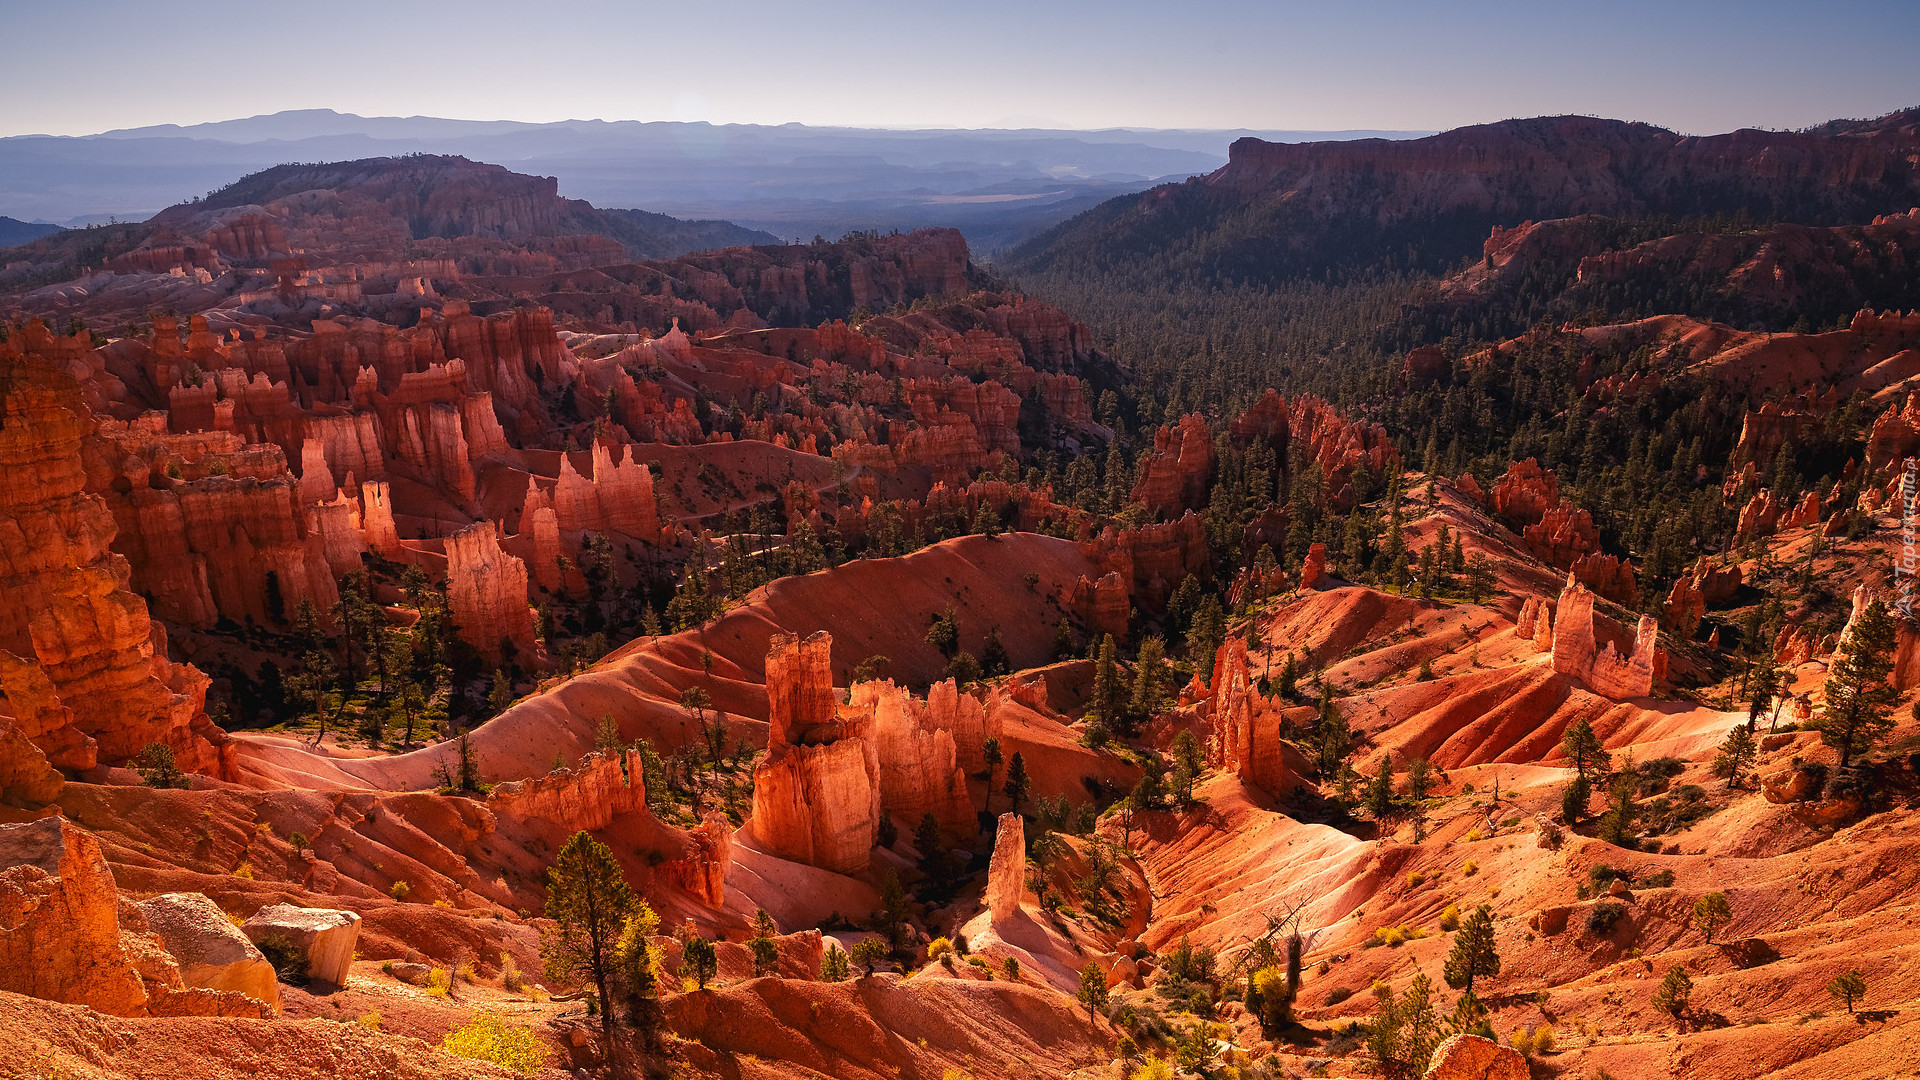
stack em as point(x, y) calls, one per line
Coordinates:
point(1469, 868)
point(510, 977)
point(486, 1037)
point(1474, 835)
point(938, 948)
point(1661, 880)
point(439, 981)
point(289, 960)
point(1450, 918)
point(1339, 994)
point(1549, 836)
point(400, 890)
point(1602, 919)
point(1415, 879)
point(1200, 1002)
point(980, 962)
point(1157, 1069)
point(1537, 1041)
point(369, 1020)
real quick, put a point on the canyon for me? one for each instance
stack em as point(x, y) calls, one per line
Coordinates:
point(375, 533)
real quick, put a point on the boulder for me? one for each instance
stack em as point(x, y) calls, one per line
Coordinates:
point(324, 935)
point(211, 951)
point(1470, 1057)
point(406, 972)
point(1551, 920)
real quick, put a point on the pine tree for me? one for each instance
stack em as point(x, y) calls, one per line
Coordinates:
point(1616, 825)
point(1093, 990)
point(1583, 748)
point(993, 655)
point(1736, 755)
point(933, 851)
point(1104, 700)
point(1018, 784)
point(1380, 804)
point(1419, 786)
point(1473, 953)
point(1574, 799)
point(589, 902)
point(834, 966)
point(1206, 633)
point(1849, 988)
point(698, 960)
point(1859, 696)
point(1710, 913)
point(1673, 993)
point(1149, 671)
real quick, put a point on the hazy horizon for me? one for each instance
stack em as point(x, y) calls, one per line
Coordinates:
point(1696, 68)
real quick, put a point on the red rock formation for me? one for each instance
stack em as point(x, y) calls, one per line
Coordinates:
point(1173, 478)
point(89, 672)
point(1562, 536)
point(1684, 608)
point(1244, 730)
point(1609, 576)
point(487, 595)
point(1762, 433)
point(1102, 605)
point(816, 796)
point(919, 764)
point(59, 920)
point(1535, 623)
point(1007, 871)
point(1315, 566)
point(1153, 559)
point(588, 796)
point(1807, 513)
point(1760, 517)
point(616, 498)
point(1601, 666)
point(1424, 365)
point(1470, 487)
point(1525, 494)
point(702, 870)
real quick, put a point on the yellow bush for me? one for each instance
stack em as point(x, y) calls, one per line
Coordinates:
point(399, 889)
point(1475, 835)
point(1395, 936)
point(369, 1020)
point(938, 948)
point(244, 870)
point(1415, 878)
point(1537, 1041)
point(1156, 1069)
point(439, 980)
point(486, 1037)
point(1470, 868)
point(1450, 918)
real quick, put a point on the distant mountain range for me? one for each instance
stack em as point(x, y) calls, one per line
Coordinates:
point(1277, 212)
point(997, 186)
point(14, 231)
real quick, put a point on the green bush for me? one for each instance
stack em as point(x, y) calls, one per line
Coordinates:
point(289, 960)
point(1602, 919)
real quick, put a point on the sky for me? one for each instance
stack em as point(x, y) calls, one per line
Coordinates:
point(1695, 67)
